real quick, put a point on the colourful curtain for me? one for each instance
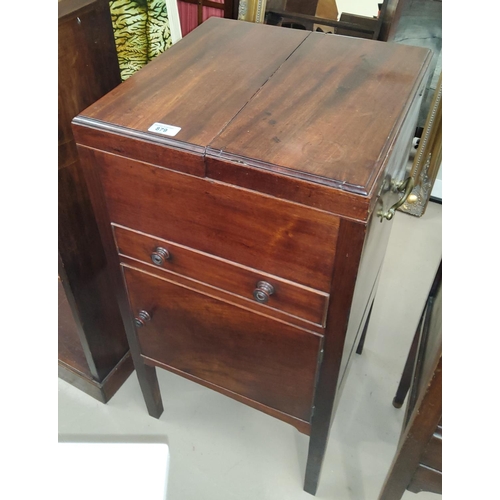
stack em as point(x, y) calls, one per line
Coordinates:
point(141, 32)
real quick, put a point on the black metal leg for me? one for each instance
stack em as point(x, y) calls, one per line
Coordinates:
point(405, 382)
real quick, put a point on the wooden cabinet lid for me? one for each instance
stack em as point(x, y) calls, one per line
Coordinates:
point(199, 84)
point(330, 113)
point(322, 108)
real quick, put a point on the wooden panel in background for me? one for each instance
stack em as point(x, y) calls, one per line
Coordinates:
point(92, 342)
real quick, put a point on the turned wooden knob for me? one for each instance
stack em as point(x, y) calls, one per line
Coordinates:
point(141, 319)
point(263, 291)
point(159, 256)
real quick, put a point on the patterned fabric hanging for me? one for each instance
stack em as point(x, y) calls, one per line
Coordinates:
point(141, 32)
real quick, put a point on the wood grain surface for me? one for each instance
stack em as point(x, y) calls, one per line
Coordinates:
point(201, 82)
point(289, 145)
point(222, 274)
point(197, 334)
point(329, 112)
point(275, 236)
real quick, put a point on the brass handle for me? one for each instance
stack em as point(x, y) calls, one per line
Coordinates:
point(263, 291)
point(141, 319)
point(159, 256)
point(407, 187)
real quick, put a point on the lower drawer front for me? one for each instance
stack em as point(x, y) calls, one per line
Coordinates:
point(251, 355)
point(290, 298)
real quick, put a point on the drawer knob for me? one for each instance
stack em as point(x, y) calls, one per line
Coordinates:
point(159, 256)
point(263, 291)
point(141, 319)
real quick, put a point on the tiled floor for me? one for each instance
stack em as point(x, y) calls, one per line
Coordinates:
point(223, 450)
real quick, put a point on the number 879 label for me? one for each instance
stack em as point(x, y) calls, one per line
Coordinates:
point(161, 128)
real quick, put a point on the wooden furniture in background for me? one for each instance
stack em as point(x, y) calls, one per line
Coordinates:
point(315, 15)
point(417, 464)
point(372, 23)
point(246, 208)
point(390, 14)
point(93, 349)
point(419, 23)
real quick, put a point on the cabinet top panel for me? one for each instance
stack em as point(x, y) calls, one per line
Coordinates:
point(324, 108)
point(200, 83)
point(331, 112)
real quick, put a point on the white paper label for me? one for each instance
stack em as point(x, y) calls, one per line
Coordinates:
point(161, 128)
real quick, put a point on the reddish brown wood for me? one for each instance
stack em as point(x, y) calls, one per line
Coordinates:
point(233, 204)
point(301, 425)
point(70, 349)
point(228, 297)
point(133, 146)
point(265, 180)
point(389, 16)
point(86, 48)
point(146, 374)
point(373, 24)
point(225, 275)
point(351, 238)
point(349, 100)
point(152, 95)
point(209, 339)
point(92, 342)
point(274, 236)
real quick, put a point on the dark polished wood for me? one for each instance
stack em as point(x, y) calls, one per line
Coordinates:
point(201, 116)
point(351, 240)
point(296, 242)
point(371, 23)
point(246, 247)
point(389, 17)
point(93, 350)
point(307, 21)
point(208, 338)
point(302, 132)
point(243, 302)
point(417, 464)
point(288, 297)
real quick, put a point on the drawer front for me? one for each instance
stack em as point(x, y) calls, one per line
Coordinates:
point(277, 237)
point(251, 355)
point(287, 297)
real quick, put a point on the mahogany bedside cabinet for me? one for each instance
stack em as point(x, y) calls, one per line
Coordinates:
point(244, 184)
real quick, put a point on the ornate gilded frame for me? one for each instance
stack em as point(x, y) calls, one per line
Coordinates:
point(428, 157)
point(252, 10)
